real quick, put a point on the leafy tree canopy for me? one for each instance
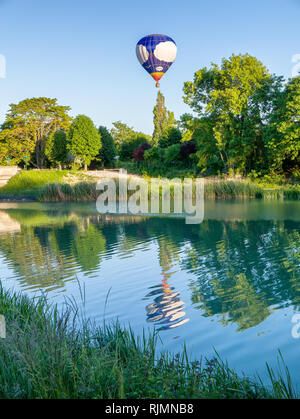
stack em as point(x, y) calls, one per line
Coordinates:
point(127, 140)
point(29, 124)
point(56, 148)
point(172, 136)
point(108, 150)
point(84, 141)
point(234, 103)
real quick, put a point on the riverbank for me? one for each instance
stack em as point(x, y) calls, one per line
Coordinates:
point(55, 185)
point(45, 356)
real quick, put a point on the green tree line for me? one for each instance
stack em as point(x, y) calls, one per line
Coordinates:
point(243, 121)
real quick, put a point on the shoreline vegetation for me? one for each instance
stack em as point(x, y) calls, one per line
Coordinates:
point(78, 186)
point(244, 125)
point(50, 353)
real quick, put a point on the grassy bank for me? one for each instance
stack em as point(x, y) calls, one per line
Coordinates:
point(28, 184)
point(45, 356)
point(53, 186)
point(215, 189)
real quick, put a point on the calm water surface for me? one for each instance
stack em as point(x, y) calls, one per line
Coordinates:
point(230, 284)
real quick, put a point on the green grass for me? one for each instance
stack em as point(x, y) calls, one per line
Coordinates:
point(29, 183)
point(50, 354)
point(232, 189)
point(86, 191)
point(58, 192)
point(51, 186)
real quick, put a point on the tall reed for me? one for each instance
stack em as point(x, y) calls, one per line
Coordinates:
point(51, 353)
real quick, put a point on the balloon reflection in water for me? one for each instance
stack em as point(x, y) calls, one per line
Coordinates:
point(167, 309)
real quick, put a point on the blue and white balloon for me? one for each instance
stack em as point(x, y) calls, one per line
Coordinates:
point(156, 53)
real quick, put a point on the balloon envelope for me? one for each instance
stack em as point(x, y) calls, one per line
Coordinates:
point(156, 53)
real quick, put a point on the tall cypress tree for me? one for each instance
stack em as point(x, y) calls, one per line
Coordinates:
point(163, 119)
point(108, 151)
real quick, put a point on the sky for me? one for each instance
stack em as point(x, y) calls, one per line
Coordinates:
point(83, 52)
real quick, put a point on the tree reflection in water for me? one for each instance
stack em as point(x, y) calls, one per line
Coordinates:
point(237, 270)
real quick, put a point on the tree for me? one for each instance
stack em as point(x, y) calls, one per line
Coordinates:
point(172, 154)
point(227, 96)
point(15, 146)
point(163, 119)
point(121, 134)
point(88, 246)
point(29, 124)
point(187, 149)
point(154, 154)
point(56, 148)
point(128, 147)
point(284, 146)
point(108, 151)
point(84, 141)
point(202, 134)
point(138, 154)
point(171, 136)
point(127, 140)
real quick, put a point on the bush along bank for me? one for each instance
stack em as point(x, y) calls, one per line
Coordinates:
point(53, 186)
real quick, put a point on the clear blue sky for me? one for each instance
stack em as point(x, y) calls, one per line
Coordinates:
point(83, 52)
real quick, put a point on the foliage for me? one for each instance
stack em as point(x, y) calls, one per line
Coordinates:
point(30, 182)
point(138, 154)
point(170, 137)
point(14, 146)
point(163, 119)
point(284, 146)
point(56, 148)
point(172, 153)
point(234, 103)
point(84, 141)
point(121, 133)
point(187, 148)
point(127, 140)
point(108, 151)
point(245, 122)
point(28, 125)
point(53, 185)
point(124, 138)
point(128, 147)
point(154, 153)
point(70, 358)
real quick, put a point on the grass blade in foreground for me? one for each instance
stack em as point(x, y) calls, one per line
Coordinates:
point(45, 356)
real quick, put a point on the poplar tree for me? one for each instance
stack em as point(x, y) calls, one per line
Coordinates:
point(163, 119)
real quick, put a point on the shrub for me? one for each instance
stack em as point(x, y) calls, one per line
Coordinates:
point(172, 153)
point(138, 155)
point(173, 136)
point(187, 149)
point(154, 154)
point(128, 147)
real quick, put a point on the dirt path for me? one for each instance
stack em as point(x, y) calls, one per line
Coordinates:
point(6, 172)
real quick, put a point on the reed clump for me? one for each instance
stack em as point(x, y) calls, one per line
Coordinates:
point(86, 191)
point(57, 354)
point(63, 192)
point(29, 182)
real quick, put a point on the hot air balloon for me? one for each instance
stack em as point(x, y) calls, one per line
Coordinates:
point(156, 53)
